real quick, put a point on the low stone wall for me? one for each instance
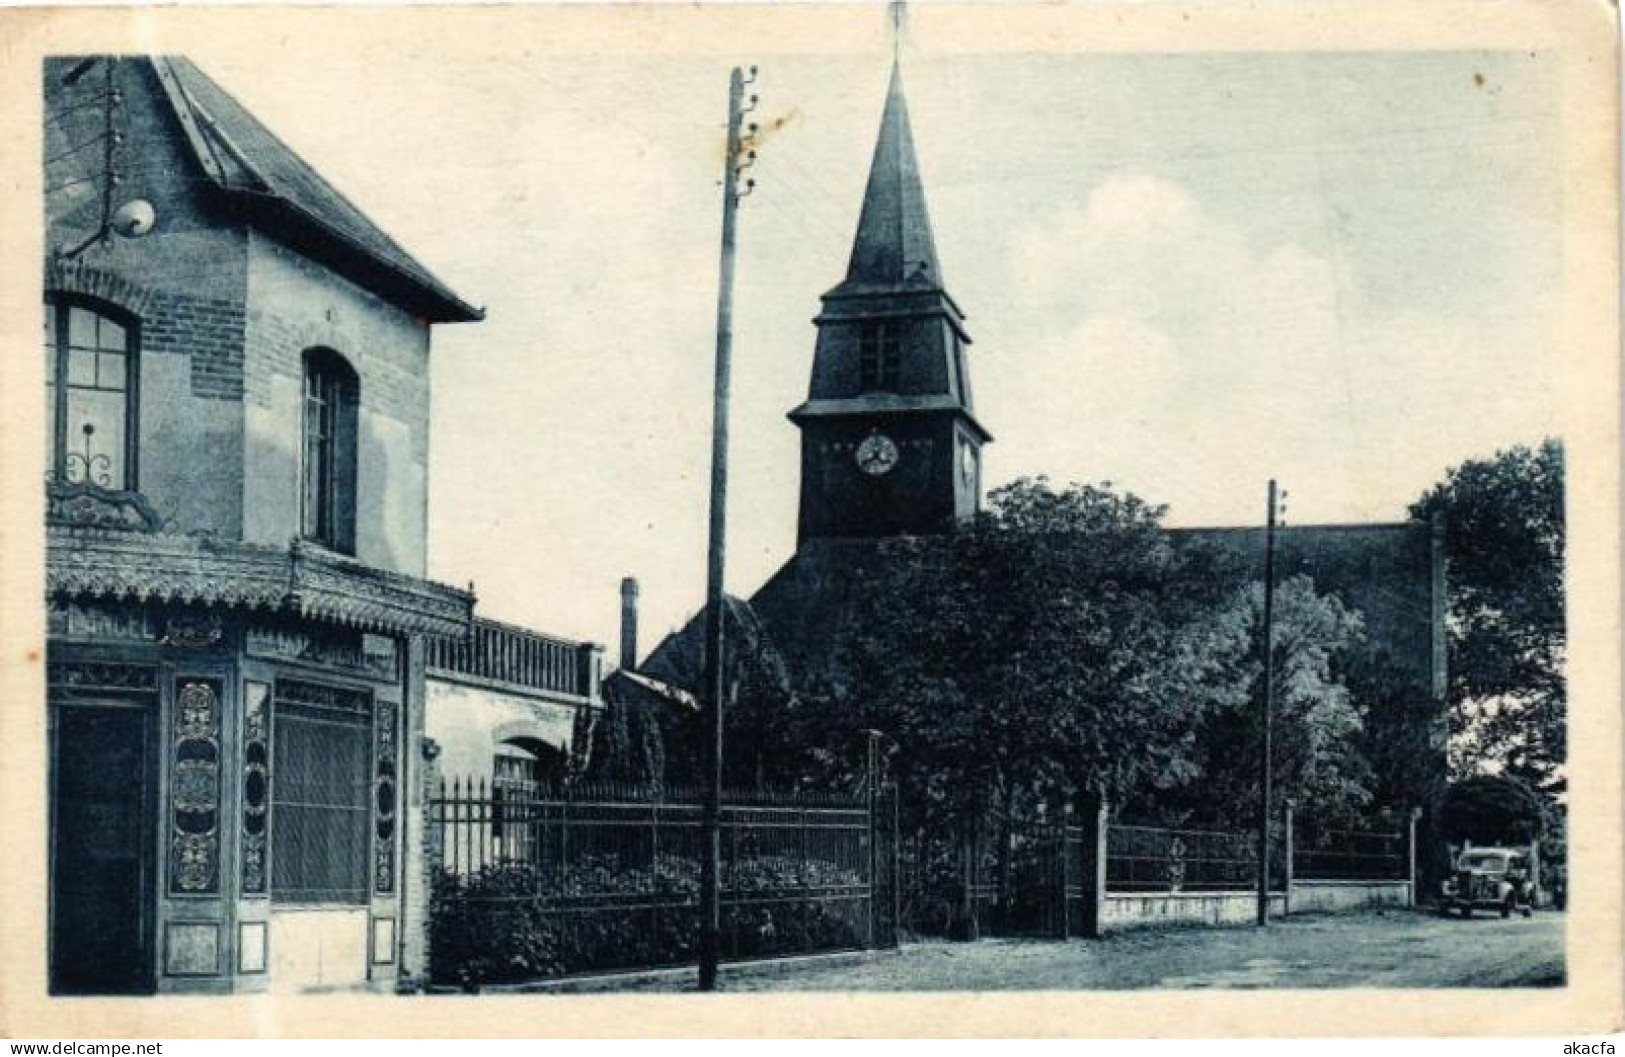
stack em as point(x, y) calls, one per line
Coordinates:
point(1311, 895)
point(1131, 910)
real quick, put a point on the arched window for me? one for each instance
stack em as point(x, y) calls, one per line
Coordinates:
point(90, 392)
point(524, 772)
point(327, 499)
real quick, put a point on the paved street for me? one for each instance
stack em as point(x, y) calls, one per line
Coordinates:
point(1378, 949)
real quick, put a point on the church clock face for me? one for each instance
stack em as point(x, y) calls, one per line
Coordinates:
point(877, 454)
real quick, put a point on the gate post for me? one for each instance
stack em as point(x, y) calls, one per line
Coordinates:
point(1064, 845)
point(1534, 873)
point(1286, 907)
point(971, 928)
point(425, 857)
point(1092, 822)
point(871, 785)
point(896, 866)
point(1410, 856)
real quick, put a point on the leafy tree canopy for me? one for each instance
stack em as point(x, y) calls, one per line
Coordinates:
point(1059, 641)
point(1317, 724)
point(1503, 518)
point(1491, 809)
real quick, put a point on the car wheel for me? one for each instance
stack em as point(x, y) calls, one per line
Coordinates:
point(1466, 910)
point(1528, 911)
point(1506, 910)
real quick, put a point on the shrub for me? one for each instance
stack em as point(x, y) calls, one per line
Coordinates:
point(514, 922)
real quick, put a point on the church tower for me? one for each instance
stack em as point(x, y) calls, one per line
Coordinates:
point(889, 443)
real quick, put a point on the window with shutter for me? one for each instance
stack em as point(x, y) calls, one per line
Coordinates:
point(328, 496)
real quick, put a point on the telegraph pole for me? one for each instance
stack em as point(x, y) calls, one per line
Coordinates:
point(1266, 762)
point(736, 160)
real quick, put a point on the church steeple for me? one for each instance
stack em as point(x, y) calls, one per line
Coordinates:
point(894, 246)
point(889, 442)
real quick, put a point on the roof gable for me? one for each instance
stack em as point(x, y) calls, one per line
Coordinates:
point(280, 190)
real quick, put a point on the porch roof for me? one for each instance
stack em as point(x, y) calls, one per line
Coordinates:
point(301, 580)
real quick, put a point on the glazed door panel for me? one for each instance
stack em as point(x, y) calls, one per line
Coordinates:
point(102, 851)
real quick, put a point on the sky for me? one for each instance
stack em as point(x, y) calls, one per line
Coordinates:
point(1183, 273)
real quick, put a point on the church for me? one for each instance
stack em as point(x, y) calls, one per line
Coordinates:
point(891, 446)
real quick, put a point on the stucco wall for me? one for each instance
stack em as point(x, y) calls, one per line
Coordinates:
point(294, 305)
point(1129, 910)
point(226, 313)
point(185, 281)
point(468, 722)
point(1348, 895)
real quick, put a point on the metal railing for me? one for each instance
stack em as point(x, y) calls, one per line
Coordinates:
point(1158, 859)
point(591, 878)
point(501, 653)
point(1350, 855)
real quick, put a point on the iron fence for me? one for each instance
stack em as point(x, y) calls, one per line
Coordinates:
point(976, 884)
point(1350, 855)
point(576, 879)
point(1159, 859)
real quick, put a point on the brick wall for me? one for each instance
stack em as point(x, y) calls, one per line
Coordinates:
point(226, 314)
point(295, 305)
point(185, 281)
point(209, 330)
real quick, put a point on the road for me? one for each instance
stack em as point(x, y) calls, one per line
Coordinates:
point(1373, 949)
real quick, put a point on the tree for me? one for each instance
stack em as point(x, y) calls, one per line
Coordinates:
point(619, 745)
point(1051, 645)
point(1492, 809)
point(766, 725)
point(1317, 722)
point(1504, 528)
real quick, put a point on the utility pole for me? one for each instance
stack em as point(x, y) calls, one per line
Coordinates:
point(1266, 762)
point(736, 160)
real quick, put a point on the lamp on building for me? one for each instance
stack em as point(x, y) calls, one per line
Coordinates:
point(134, 218)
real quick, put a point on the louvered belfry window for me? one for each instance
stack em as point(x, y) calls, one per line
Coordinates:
point(880, 353)
point(319, 794)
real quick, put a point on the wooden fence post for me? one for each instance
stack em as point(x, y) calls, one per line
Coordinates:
point(1092, 820)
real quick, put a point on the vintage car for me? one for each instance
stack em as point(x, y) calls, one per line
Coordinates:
point(1491, 879)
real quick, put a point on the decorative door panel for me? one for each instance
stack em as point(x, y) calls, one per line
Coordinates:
point(194, 788)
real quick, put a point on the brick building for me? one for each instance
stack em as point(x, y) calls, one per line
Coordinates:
point(239, 621)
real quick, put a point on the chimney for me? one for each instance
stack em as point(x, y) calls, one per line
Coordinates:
point(629, 623)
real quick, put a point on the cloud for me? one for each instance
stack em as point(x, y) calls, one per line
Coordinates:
point(1155, 344)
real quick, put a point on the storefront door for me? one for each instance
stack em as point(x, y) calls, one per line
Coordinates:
point(102, 862)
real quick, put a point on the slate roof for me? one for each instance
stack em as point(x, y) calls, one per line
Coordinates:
point(804, 609)
point(894, 248)
point(1383, 569)
point(630, 687)
point(287, 197)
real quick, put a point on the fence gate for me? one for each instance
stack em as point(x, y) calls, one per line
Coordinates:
point(1034, 886)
